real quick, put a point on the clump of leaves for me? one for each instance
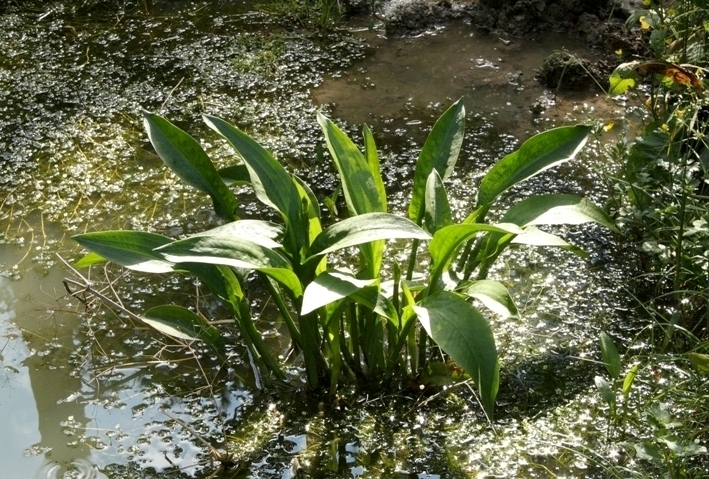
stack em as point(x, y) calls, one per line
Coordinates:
point(375, 320)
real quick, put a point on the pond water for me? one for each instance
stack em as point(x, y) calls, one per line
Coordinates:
point(84, 394)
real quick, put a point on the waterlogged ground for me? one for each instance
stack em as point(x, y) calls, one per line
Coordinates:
point(84, 393)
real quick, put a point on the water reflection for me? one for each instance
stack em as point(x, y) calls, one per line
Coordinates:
point(19, 418)
point(38, 340)
point(407, 79)
point(80, 469)
point(67, 408)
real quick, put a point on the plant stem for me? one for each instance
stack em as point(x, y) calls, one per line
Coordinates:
point(253, 336)
point(312, 356)
point(423, 337)
point(283, 309)
point(412, 260)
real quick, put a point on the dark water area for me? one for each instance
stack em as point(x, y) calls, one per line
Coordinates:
point(85, 393)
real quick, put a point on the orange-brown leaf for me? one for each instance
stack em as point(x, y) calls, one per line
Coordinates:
point(673, 72)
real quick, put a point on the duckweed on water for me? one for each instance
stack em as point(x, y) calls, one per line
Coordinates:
point(70, 89)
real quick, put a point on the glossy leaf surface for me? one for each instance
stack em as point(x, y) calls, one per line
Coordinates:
point(437, 209)
point(233, 251)
point(329, 287)
point(264, 233)
point(542, 151)
point(533, 236)
point(609, 353)
point(493, 295)
point(364, 228)
point(462, 332)
point(181, 323)
point(446, 241)
point(272, 184)
point(557, 209)
point(361, 184)
point(440, 152)
point(131, 249)
point(186, 158)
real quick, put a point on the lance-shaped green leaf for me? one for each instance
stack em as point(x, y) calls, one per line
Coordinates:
point(181, 323)
point(492, 294)
point(89, 260)
point(272, 184)
point(263, 233)
point(629, 380)
point(462, 332)
point(373, 253)
point(235, 175)
point(370, 153)
point(374, 300)
point(220, 279)
point(186, 158)
point(542, 151)
point(440, 152)
point(329, 287)
point(605, 389)
point(131, 249)
point(557, 209)
point(609, 353)
point(438, 210)
point(536, 237)
point(233, 251)
point(311, 210)
point(361, 185)
point(364, 228)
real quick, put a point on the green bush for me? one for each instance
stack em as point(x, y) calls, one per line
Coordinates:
point(665, 187)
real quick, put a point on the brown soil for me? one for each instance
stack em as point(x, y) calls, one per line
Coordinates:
point(600, 23)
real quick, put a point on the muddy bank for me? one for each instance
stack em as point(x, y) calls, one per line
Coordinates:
point(598, 23)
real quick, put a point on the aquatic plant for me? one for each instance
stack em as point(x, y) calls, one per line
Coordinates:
point(361, 318)
point(643, 412)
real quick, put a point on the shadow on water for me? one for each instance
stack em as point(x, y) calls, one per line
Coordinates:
point(86, 393)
